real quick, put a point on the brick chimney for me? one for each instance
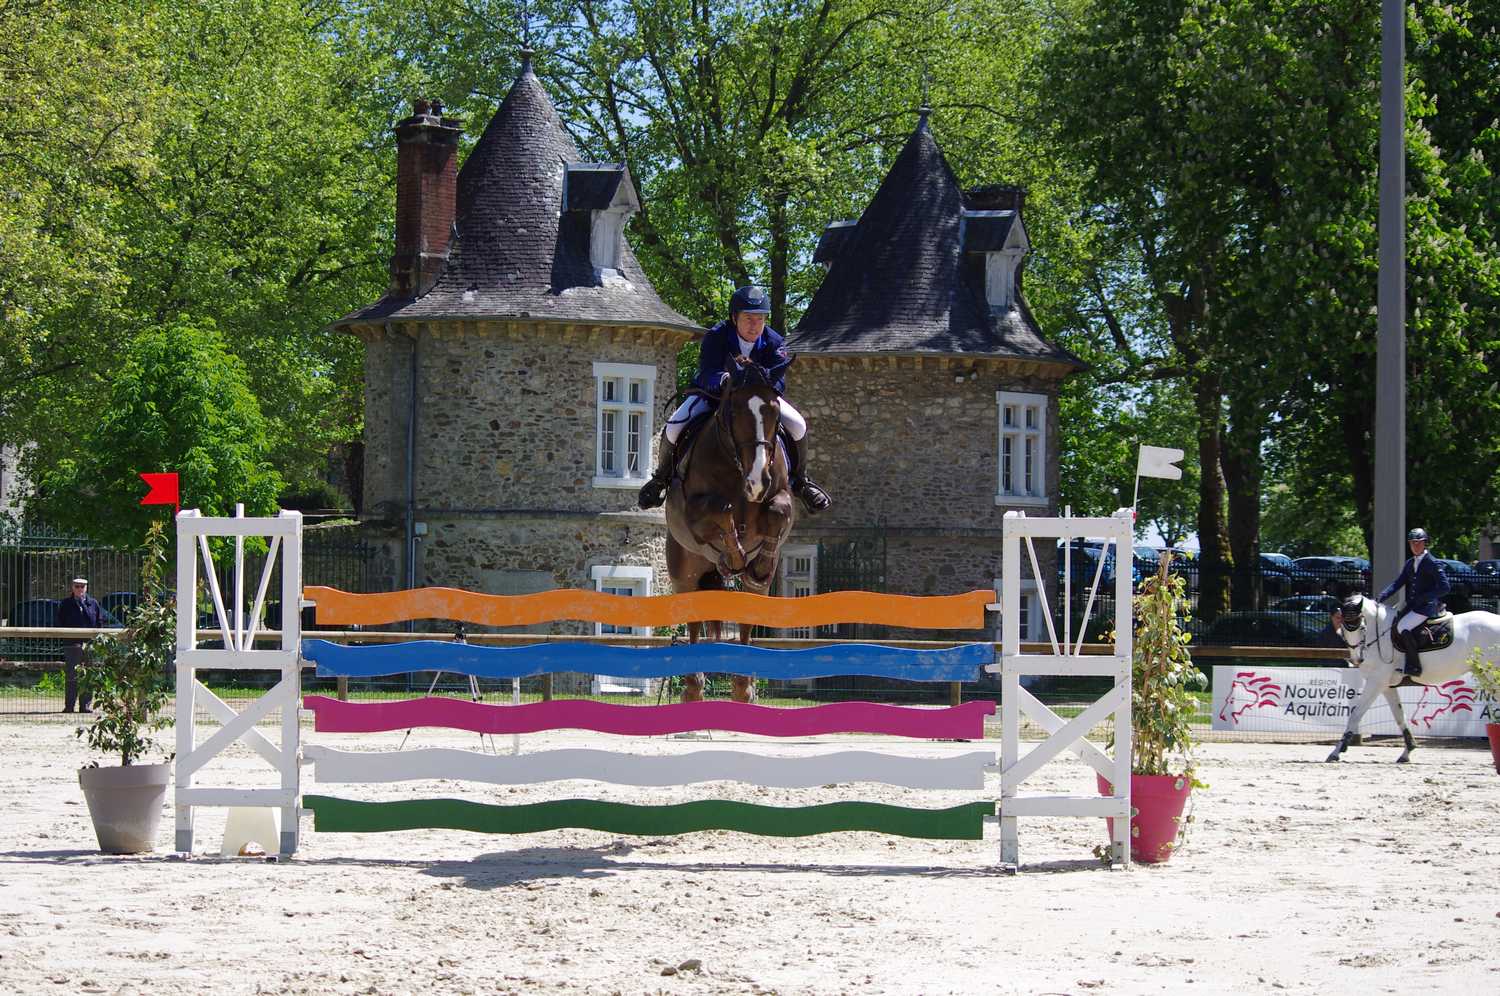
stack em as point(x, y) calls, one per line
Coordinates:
point(426, 191)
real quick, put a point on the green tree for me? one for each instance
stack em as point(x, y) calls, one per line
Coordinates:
point(181, 402)
point(79, 108)
point(267, 210)
point(1250, 188)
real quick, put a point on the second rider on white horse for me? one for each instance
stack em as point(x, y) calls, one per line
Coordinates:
point(1425, 584)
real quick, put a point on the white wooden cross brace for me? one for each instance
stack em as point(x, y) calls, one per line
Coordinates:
point(226, 713)
point(283, 694)
point(1037, 711)
point(1067, 736)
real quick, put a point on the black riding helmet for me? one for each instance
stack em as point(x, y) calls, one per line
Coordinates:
point(752, 300)
point(1417, 534)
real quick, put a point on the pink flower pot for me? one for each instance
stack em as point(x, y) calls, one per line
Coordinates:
point(1156, 804)
point(1492, 730)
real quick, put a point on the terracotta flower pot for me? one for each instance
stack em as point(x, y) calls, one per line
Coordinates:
point(126, 804)
point(1492, 730)
point(1156, 804)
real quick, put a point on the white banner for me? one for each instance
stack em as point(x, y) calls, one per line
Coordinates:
point(1320, 699)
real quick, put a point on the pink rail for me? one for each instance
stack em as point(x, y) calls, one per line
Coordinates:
point(962, 722)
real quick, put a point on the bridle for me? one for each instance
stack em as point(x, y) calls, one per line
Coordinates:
point(1364, 638)
point(724, 433)
point(724, 423)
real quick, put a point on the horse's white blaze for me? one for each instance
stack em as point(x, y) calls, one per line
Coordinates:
point(755, 479)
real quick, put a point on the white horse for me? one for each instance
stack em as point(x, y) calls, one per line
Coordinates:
point(1365, 627)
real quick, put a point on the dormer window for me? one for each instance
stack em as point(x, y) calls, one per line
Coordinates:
point(834, 240)
point(605, 194)
point(1001, 237)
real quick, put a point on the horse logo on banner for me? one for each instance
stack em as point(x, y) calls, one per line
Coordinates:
point(1249, 691)
point(1440, 700)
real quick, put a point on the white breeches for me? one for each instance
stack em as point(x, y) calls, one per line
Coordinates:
point(1410, 621)
point(796, 425)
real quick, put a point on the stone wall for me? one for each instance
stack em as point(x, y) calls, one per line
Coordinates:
point(913, 442)
point(507, 414)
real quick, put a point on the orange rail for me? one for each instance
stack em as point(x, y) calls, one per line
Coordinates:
point(964, 611)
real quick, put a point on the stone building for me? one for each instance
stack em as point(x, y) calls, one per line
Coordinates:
point(930, 390)
point(516, 367)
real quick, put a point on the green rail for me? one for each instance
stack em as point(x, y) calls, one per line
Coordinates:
point(332, 815)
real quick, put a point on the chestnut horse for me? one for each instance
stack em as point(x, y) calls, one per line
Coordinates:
point(729, 507)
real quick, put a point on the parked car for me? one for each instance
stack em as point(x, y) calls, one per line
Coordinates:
point(120, 604)
point(1463, 580)
point(1280, 575)
point(1147, 559)
point(1337, 575)
point(1084, 561)
point(1488, 572)
point(1271, 629)
point(1323, 604)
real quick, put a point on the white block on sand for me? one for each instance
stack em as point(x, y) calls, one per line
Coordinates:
point(251, 824)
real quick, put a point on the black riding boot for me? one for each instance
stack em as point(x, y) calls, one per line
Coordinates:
point(814, 498)
point(1413, 664)
point(654, 491)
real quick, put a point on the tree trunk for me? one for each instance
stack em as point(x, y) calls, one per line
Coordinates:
point(778, 254)
point(1243, 471)
point(1213, 541)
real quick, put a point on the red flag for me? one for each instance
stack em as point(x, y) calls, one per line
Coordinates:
point(163, 490)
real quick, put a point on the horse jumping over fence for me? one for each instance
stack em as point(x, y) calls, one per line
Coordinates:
point(729, 507)
point(1365, 626)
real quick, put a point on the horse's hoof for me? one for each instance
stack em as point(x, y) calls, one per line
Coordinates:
point(1332, 758)
point(1403, 759)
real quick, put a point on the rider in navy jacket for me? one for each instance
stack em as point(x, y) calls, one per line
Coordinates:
point(721, 344)
point(1425, 583)
point(744, 334)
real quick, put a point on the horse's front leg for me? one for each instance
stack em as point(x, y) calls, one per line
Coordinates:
point(1375, 681)
point(1394, 699)
point(692, 684)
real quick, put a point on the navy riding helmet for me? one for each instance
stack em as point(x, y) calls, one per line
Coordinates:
point(752, 300)
point(1417, 534)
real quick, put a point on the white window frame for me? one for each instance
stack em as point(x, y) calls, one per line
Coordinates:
point(789, 581)
point(605, 235)
point(624, 408)
point(1018, 436)
point(639, 580)
point(1031, 602)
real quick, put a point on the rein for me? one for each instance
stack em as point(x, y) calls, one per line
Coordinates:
point(1364, 638)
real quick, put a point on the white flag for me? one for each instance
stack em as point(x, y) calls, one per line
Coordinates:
point(1159, 461)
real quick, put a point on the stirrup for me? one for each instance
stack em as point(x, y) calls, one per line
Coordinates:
point(814, 498)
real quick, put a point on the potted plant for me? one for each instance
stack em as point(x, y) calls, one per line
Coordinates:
point(1486, 671)
point(127, 675)
point(1162, 710)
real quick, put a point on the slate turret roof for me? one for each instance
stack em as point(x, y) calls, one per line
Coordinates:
point(899, 281)
point(516, 253)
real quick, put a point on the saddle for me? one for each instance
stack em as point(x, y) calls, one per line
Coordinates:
point(1434, 634)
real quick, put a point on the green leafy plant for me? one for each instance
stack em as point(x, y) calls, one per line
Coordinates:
point(1162, 704)
point(1484, 664)
point(127, 672)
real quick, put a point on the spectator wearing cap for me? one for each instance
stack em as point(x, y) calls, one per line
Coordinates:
point(78, 610)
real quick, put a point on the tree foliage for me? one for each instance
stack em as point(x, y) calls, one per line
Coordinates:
point(179, 402)
point(80, 107)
